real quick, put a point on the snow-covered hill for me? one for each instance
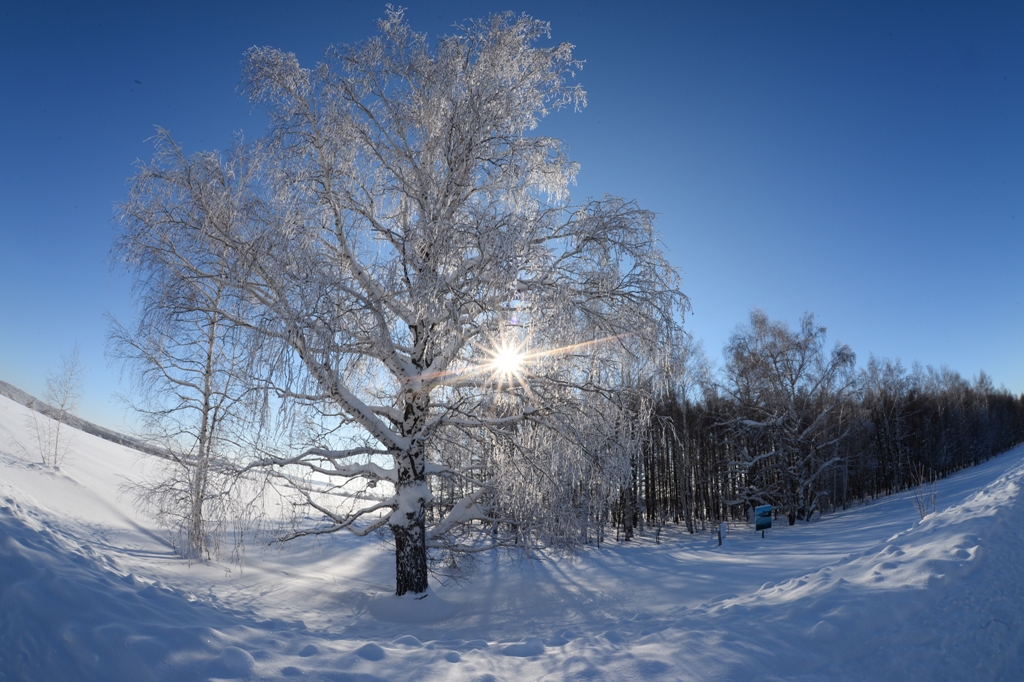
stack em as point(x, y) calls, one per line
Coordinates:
point(89, 590)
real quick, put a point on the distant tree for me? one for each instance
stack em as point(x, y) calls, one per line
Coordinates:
point(412, 279)
point(786, 423)
point(790, 410)
point(886, 397)
point(63, 389)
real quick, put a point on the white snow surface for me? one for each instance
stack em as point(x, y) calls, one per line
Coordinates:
point(90, 590)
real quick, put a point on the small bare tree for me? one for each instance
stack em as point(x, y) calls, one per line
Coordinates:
point(63, 389)
point(925, 497)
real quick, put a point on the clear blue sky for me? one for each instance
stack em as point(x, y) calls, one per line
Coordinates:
point(861, 160)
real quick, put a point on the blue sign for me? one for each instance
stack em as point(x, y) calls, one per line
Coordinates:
point(763, 517)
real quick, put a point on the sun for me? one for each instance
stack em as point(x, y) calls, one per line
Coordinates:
point(507, 360)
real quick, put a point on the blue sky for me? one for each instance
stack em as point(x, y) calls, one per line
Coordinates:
point(860, 160)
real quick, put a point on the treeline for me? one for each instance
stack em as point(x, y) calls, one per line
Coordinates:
point(788, 423)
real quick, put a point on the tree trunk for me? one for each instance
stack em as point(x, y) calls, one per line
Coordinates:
point(409, 519)
point(411, 556)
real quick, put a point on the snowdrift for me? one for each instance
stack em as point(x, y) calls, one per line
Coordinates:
point(89, 590)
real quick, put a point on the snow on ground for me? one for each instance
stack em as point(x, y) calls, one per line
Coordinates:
point(89, 590)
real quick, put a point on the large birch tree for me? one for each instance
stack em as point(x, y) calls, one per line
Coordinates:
point(401, 251)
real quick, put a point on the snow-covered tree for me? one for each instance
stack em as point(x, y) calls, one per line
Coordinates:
point(460, 341)
point(184, 354)
point(790, 410)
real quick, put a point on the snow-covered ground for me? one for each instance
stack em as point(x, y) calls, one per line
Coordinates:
point(89, 590)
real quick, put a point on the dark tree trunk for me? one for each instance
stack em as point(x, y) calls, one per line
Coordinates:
point(410, 557)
